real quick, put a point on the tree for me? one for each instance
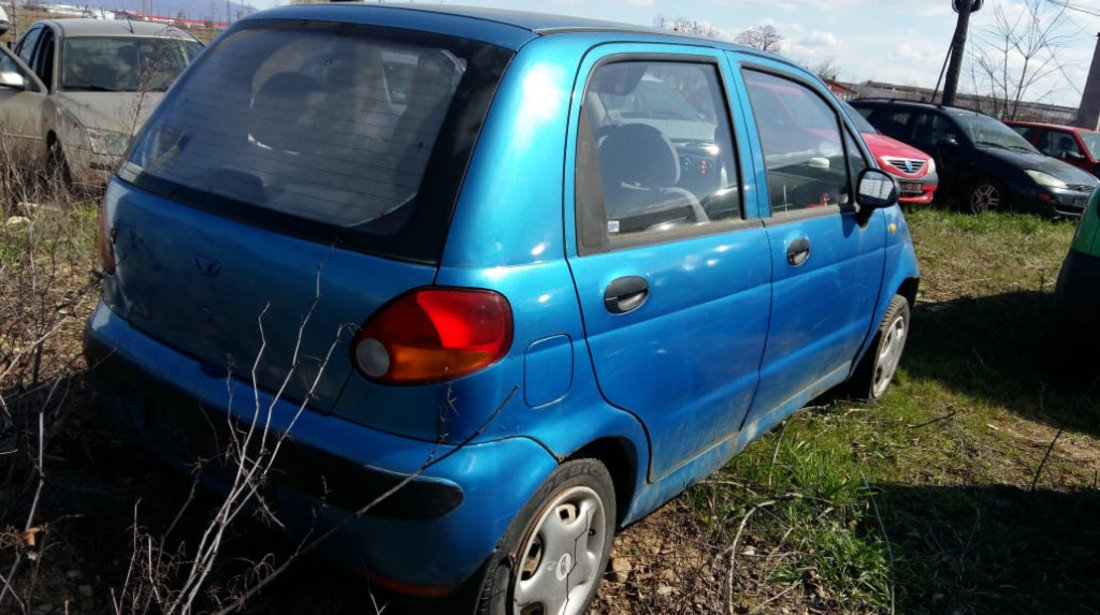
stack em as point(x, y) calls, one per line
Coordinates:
point(1017, 52)
point(691, 27)
point(826, 69)
point(764, 37)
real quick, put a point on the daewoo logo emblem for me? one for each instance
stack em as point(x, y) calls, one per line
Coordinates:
point(207, 267)
point(909, 166)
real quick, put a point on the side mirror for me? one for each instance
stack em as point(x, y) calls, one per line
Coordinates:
point(877, 189)
point(12, 79)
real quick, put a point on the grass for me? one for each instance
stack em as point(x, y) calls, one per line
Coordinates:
point(924, 504)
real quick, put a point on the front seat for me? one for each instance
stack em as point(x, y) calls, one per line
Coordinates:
point(640, 168)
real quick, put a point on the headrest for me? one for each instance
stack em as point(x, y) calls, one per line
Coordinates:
point(638, 155)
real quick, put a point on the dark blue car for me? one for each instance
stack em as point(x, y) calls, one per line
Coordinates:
point(526, 276)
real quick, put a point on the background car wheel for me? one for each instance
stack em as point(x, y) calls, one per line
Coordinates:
point(986, 195)
point(877, 369)
point(552, 558)
point(57, 168)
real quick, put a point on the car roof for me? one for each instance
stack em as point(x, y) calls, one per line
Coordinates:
point(880, 102)
point(502, 27)
point(114, 27)
point(1047, 125)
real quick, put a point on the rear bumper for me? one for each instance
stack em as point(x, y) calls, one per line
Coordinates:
point(428, 537)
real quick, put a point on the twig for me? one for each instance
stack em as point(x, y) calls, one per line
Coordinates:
point(935, 420)
point(733, 552)
point(431, 461)
point(756, 609)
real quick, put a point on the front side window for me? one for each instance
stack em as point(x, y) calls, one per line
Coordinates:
point(932, 129)
point(804, 150)
point(655, 151)
point(123, 64)
point(1058, 143)
point(328, 131)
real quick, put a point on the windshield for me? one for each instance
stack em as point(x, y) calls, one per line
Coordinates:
point(327, 124)
point(1092, 142)
point(124, 63)
point(987, 132)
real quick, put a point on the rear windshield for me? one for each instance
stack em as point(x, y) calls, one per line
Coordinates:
point(345, 134)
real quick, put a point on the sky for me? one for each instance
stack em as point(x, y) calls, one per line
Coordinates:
point(896, 42)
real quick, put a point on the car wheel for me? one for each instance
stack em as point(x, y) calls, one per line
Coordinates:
point(877, 369)
point(57, 168)
point(552, 558)
point(986, 195)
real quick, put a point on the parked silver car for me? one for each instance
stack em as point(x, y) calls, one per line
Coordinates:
point(75, 90)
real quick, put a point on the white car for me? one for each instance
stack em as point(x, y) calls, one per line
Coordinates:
point(74, 91)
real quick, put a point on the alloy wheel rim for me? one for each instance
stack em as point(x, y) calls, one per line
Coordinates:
point(558, 564)
point(986, 197)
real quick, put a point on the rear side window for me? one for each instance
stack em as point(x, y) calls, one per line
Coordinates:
point(655, 154)
point(338, 132)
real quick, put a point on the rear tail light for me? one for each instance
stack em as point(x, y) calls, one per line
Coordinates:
point(106, 242)
point(432, 335)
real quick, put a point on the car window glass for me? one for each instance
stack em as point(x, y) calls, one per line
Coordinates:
point(25, 48)
point(856, 161)
point(1092, 142)
point(891, 123)
point(301, 128)
point(124, 64)
point(9, 65)
point(655, 151)
point(43, 58)
point(986, 132)
point(1026, 132)
point(806, 165)
point(858, 118)
point(1058, 143)
point(932, 129)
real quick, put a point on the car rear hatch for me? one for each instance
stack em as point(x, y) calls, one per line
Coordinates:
point(295, 180)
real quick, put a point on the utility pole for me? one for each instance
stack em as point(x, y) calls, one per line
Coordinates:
point(958, 45)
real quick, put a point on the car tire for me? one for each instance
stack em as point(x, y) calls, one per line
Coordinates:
point(986, 195)
point(57, 168)
point(553, 556)
point(877, 369)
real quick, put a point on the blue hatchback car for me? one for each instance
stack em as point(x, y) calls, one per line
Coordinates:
point(528, 276)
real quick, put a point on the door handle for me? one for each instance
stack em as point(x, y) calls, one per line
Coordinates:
point(798, 251)
point(625, 294)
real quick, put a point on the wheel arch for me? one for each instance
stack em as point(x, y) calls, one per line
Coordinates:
point(621, 460)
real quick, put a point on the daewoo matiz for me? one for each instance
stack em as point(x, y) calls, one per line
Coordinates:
point(542, 273)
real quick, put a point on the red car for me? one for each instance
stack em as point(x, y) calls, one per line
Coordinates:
point(915, 170)
point(1077, 146)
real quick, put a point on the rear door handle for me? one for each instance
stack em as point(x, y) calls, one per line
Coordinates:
point(625, 294)
point(798, 251)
